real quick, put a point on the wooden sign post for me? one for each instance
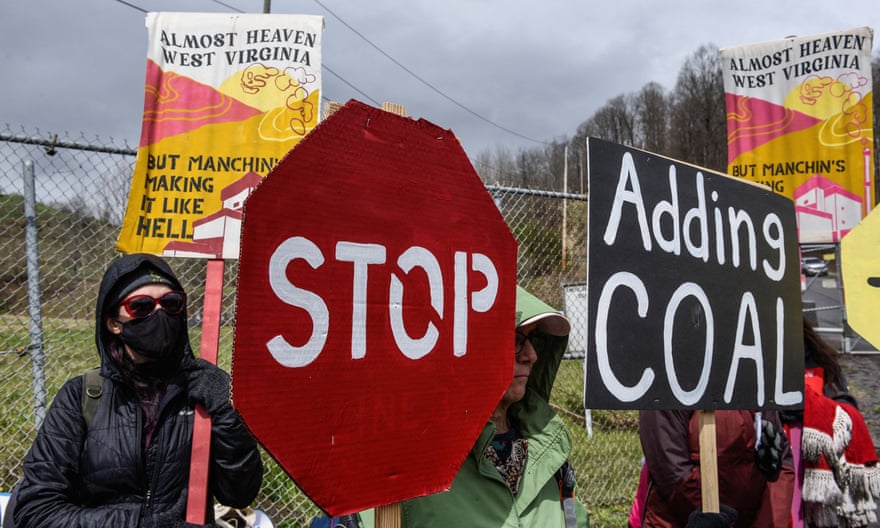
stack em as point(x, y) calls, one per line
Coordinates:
point(197, 495)
point(708, 462)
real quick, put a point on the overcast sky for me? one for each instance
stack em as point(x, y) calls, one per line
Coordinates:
point(497, 72)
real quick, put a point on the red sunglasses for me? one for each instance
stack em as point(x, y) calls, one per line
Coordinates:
point(139, 306)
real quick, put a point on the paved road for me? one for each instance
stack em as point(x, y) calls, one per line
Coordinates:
point(822, 300)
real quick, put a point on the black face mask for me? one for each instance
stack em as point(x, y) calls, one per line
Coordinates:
point(158, 336)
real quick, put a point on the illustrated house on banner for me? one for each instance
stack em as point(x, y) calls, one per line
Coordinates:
point(822, 207)
point(218, 235)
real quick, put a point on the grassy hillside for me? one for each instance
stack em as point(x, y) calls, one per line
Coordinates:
point(73, 250)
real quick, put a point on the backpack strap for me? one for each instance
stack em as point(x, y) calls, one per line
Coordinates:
point(93, 388)
point(565, 478)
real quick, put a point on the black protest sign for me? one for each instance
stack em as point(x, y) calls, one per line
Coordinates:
point(693, 288)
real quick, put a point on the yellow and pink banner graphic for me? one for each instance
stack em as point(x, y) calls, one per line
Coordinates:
point(800, 121)
point(226, 97)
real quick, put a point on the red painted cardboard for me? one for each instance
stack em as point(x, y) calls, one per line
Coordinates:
point(375, 310)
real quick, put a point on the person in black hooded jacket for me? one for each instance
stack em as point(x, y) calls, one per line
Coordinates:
point(130, 467)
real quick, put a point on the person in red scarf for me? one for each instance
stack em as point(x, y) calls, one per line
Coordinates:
point(839, 481)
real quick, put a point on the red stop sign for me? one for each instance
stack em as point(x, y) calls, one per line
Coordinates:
point(375, 310)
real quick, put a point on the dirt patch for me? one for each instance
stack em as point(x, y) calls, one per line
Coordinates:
point(863, 374)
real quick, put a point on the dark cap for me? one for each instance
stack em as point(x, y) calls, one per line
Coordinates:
point(143, 275)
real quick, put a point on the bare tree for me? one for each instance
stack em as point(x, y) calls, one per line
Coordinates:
point(698, 121)
point(495, 166)
point(651, 107)
point(482, 163)
point(615, 121)
point(688, 124)
point(112, 191)
point(555, 154)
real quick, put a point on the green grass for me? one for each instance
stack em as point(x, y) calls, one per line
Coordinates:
point(68, 348)
point(606, 463)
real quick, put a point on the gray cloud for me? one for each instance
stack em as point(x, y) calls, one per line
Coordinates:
point(539, 70)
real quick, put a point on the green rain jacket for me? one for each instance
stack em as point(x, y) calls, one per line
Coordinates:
point(479, 496)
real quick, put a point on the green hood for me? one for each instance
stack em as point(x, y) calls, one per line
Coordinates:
point(530, 309)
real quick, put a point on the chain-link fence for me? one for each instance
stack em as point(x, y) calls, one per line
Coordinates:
point(52, 259)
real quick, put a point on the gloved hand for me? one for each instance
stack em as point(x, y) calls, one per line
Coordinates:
point(208, 384)
point(768, 456)
point(726, 518)
point(792, 417)
point(347, 521)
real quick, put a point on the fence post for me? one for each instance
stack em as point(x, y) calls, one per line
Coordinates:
point(38, 372)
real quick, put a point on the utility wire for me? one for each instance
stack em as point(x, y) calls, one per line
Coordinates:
point(423, 81)
point(389, 57)
point(123, 2)
point(227, 6)
point(404, 68)
point(353, 87)
point(324, 65)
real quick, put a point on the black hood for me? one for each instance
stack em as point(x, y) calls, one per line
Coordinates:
point(116, 274)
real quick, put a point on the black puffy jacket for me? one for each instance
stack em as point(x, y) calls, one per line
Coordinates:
point(101, 476)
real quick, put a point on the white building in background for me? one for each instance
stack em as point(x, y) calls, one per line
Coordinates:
point(825, 210)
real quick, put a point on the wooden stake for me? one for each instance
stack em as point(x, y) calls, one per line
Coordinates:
point(388, 516)
point(197, 496)
point(709, 463)
point(394, 108)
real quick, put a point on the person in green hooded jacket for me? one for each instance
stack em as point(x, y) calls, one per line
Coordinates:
point(511, 475)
